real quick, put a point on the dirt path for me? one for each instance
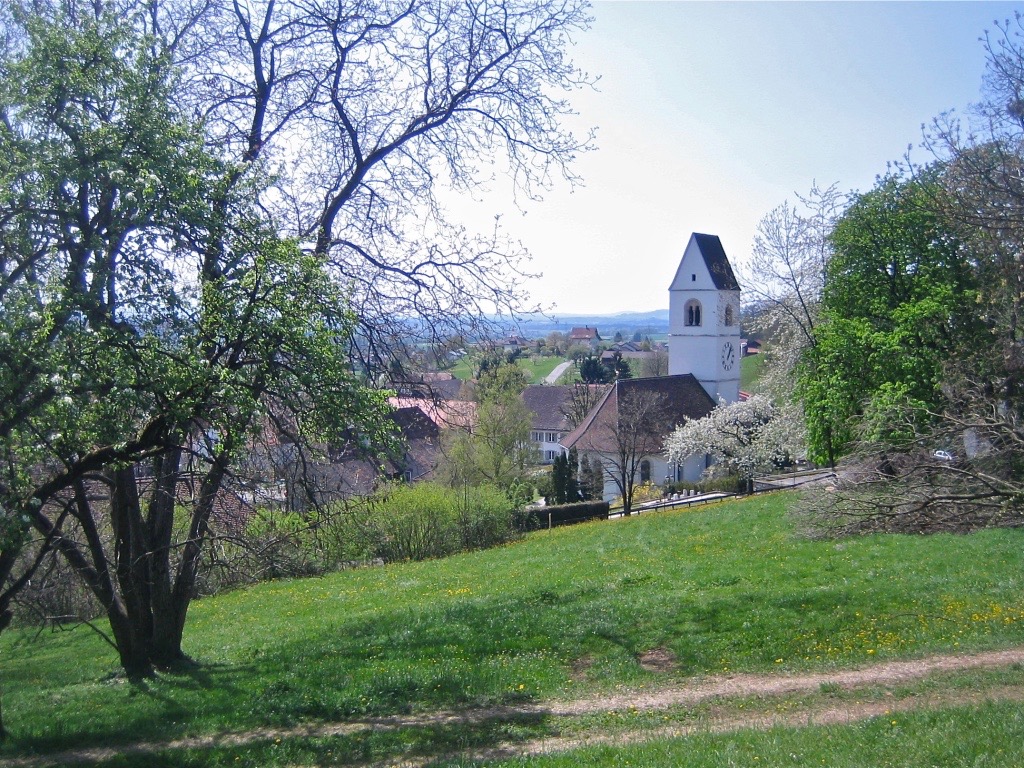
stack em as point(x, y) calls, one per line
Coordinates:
point(700, 691)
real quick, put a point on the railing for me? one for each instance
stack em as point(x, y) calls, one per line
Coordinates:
point(765, 484)
point(683, 501)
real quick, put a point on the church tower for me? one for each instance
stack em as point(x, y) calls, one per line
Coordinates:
point(704, 319)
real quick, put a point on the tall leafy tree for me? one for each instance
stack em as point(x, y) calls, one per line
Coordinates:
point(899, 301)
point(153, 322)
point(170, 287)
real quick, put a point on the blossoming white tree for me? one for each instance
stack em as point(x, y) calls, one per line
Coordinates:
point(744, 438)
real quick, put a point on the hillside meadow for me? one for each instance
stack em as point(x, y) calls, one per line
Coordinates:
point(563, 614)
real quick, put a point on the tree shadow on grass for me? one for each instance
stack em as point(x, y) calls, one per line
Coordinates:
point(374, 743)
point(148, 709)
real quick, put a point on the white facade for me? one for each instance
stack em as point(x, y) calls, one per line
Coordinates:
point(661, 472)
point(704, 320)
point(547, 444)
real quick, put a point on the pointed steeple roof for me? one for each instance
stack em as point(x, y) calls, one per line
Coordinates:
point(711, 251)
point(717, 262)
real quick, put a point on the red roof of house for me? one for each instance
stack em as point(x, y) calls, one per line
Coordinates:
point(584, 334)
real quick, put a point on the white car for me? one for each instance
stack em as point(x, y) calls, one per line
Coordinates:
point(943, 456)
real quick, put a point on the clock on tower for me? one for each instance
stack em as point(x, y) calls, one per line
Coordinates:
point(728, 356)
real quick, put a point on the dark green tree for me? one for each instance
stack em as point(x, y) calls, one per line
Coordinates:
point(559, 479)
point(565, 484)
point(591, 479)
point(621, 368)
point(572, 484)
point(593, 371)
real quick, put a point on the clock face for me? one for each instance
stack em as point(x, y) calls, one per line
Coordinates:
point(728, 356)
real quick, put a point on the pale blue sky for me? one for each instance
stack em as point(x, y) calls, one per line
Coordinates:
point(711, 113)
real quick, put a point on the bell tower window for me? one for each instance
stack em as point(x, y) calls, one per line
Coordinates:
point(692, 312)
point(729, 321)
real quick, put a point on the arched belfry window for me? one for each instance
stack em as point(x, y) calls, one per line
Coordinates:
point(728, 315)
point(692, 312)
point(645, 471)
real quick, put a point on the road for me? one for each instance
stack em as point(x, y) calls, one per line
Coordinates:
point(553, 377)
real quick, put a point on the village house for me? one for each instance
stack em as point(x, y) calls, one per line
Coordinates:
point(585, 335)
point(615, 436)
point(549, 424)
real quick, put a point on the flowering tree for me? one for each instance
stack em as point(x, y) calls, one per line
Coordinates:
point(744, 438)
point(784, 284)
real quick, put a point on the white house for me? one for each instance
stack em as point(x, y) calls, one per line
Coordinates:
point(548, 423)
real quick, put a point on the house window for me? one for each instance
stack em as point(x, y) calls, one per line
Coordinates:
point(535, 436)
point(692, 312)
point(645, 471)
point(728, 315)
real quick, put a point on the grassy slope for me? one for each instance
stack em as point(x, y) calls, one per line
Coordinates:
point(538, 369)
point(726, 588)
point(750, 370)
point(989, 735)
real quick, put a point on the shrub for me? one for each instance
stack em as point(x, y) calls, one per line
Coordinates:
point(566, 514)
point(646, 492)
point(426, 520)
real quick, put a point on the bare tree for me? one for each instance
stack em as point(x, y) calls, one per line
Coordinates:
point(973, 481)
point(634, 435)
point(365, 112)
point(655, 364)
point(786, 276)
point(581, 401)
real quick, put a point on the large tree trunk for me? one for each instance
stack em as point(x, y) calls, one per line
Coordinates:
point(146, 598)
point(167, 614)
point(134, 629)
point(149, 634)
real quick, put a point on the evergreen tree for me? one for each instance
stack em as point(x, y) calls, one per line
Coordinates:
point(593, 372)
point(572, 483)
point(559, 480)
point(591, 482)
point(622, 369)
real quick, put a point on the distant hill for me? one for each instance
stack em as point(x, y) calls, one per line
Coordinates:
point(650, 323)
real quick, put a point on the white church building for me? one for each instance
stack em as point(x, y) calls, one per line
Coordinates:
point(704, 369)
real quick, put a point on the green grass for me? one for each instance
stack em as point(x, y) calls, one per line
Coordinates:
point(989, 735)
point(465, 368)
point(536, 371)
point(750, 370)
point(726, 588)
point(896, 738)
